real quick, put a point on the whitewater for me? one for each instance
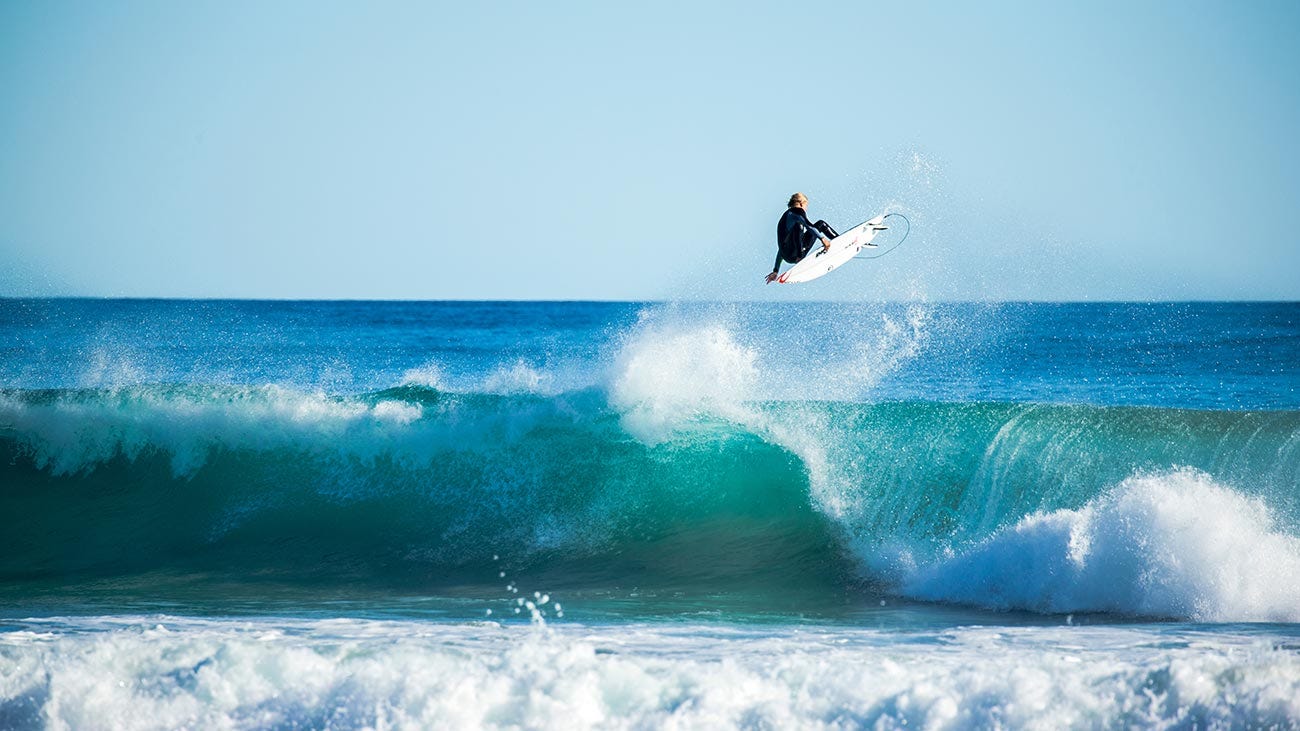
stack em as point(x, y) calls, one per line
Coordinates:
point(637, 515)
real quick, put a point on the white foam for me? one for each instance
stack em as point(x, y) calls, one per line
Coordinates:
point(1176, 544)
point(668, 377)
point(171, 672)
point(397, 412)
point(76, 432)
point(678, 366)
point(678, 371)
point(429, 375)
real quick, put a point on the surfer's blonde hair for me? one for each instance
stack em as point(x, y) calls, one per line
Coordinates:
point(796, 199)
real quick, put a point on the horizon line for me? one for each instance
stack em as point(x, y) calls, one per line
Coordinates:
point(119, 298)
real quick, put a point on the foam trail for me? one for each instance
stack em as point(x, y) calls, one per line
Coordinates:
point(1169, 545)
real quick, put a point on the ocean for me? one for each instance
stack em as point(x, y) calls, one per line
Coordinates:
point(277, 514)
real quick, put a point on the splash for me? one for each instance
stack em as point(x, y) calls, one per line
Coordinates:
point(519, 377)
point(667, 378)
point(1168, 545)
point(429, 375)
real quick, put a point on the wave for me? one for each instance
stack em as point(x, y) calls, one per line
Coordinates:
point(1173, 545)
point(408, 482)
point(988, 504)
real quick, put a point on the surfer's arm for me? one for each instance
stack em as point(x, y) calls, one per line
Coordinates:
point(775, 268)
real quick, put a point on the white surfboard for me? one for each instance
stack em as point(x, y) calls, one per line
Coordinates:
point(847, 245)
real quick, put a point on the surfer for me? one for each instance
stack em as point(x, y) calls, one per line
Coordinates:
point(796, 235)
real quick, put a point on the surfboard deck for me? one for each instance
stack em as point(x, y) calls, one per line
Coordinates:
point(821, 262)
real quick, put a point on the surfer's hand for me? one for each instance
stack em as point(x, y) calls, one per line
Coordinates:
point(771, 278)
point(826, 244)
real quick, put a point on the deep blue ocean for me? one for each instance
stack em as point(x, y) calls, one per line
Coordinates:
point(266, 514)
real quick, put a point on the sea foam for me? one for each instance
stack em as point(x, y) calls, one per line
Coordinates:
point(165, 672)
point(666, 378)
point(1176, 544)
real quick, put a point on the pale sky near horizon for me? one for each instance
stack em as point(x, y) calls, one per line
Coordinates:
point(1076, 151)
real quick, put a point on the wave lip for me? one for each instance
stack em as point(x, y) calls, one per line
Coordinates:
point(1173, 545)
point(72, 431)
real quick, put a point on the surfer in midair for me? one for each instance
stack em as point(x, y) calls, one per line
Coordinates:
point(796, 235)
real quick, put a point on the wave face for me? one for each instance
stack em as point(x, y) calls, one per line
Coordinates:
point(1069, 508)
point(409, 482)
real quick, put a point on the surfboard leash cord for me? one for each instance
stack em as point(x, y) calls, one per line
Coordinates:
point(895, 246)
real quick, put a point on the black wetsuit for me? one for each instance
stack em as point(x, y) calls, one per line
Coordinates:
point(796, 235)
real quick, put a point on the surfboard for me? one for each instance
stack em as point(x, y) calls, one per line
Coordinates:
point(847, 245)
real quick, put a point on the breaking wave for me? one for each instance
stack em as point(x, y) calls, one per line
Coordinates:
point(690, 466)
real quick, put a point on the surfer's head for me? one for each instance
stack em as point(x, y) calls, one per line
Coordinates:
point(798, 200)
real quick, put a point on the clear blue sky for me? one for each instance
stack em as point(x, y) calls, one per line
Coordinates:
point(610, 151)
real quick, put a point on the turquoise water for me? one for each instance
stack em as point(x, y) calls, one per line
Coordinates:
point(263, 514)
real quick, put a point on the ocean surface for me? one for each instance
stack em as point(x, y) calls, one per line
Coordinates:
point(244, 514)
